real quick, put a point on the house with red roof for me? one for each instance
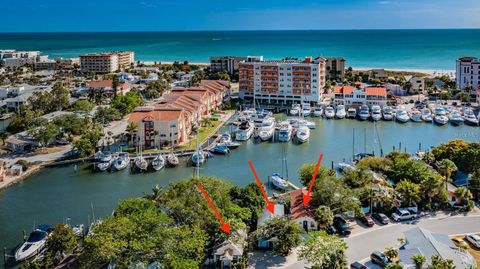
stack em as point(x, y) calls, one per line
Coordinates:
point(107, 87)
point(358, 95)
point(303, 215)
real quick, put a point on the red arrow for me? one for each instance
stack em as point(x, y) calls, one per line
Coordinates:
point(225, 226)
point(270, 206)
point(307, 197)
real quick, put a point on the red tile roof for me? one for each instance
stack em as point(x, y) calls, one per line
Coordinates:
point(107, 84)
point(378, 91)
point(297, 209)
point(155, 115)
point(343, 89)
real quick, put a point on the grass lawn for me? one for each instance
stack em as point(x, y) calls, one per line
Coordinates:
point(205, 132)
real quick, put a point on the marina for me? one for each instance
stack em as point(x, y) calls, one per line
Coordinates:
point(54, 194)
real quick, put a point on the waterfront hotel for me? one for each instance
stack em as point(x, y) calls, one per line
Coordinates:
point(282, 82)
point(106, 62)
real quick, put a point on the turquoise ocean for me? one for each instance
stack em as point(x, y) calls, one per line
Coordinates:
point(396, 49)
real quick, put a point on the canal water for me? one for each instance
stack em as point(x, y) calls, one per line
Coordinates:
point(58, 193)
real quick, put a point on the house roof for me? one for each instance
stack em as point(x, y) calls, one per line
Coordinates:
point(419, 240)
point(107, 84)
point(279, 210)
point(378, 91)
point(297, 209)
point(156, 114)
point(343, 89)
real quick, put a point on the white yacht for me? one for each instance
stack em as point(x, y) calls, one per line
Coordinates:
point(303, 133)
point(35, 243)
point(306, 110)
point(402, 115)
point(427, 115)
point(285, 132)
point(172, 159)
point(340, 113)
point(456, 118)
point(440, 116)
point(318, 111)
point(140, 163)
point(364, 112)
point(387, 113)
point(376, 113)
point(295, 110)
point(351, 113)
point(267, 129)
point(311, 125)
point(122, 161)
point(416, 116)
point(158, 162)
point(244, 131)
point(329, 112)
point(469, 117)
point(105, 161)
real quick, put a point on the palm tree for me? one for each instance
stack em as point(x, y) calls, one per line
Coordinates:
point(419, 260)
point(131, 128)
point(446, 167)
point(463, 194)
point(156, 194)
point(391, 253)
point(324, 216)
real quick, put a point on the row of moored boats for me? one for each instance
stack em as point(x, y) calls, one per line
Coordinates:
point(122, 160)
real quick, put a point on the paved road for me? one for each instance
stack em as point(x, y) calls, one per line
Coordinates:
point(361, 245)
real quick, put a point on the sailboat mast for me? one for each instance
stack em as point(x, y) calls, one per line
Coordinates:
point(353, 145)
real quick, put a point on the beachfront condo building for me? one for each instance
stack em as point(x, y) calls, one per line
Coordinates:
point(106, 62)
point(225, 63)
point(335, 69)
point(468, 73)
point(282, 82)
point(15, 59)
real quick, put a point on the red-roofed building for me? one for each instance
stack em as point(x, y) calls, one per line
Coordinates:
point(107, 86)
point(357, 96)
point(303, 215)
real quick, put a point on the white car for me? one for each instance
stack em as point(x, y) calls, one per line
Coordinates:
point(473, 239)
point(402, 214)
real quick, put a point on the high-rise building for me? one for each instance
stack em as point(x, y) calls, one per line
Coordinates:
point(468, 73)
point(106, 62)
point(335, 68)
point(282, 82)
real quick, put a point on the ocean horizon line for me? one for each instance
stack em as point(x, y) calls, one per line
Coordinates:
point(242, 30)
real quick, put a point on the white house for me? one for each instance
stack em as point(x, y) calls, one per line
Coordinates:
point(417, 85)
point(303, 215)
point(358, 95)
point(279, 211)
point(230, 250)
point(468, 72)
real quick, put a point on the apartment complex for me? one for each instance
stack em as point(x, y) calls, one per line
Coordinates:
point(225, 63)
point(468, 72)
point(106, 62)
point(282, 82)
point(171, 120)
point(335, 69)
point(15, 59)
point(358, 95)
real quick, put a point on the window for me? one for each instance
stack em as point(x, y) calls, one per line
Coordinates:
point(312, 225)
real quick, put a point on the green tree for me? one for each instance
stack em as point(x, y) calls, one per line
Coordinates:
point(97, 96)
point(249, 197)
point(446, 167)
point(127, 103)
point(463, 194)
point(131, 129)
point(3, 136)
point(45, 133)
point(283, 233)
point(323, 216)
point(115, 83)
point(409, 192)
point(324, 251)
point(60, 97)
point(419, 260)
point(84, 106)
point(439, 263)
point(393, 266)
point(474, 184)
point(23, 120)
point(62, 240)
point(87, 144)
point(391, 253)
point(306, 172)
point(106, 114)
point(357, 178)
point(335, 194)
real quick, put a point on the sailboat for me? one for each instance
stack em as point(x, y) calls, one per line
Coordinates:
point(172, 159)
point(140, 163)
point(199, 156)
point(105, 161)
point(122, 161)
point(278, 180)
point(158, 162)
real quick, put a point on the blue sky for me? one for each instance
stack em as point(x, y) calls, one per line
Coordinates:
point(161, 15)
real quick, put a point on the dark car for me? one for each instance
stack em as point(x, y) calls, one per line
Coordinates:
point(330, 230)
point(380, 217)
point(379, 258)
point(357, 265)
point(367, 220)
point(341, 225)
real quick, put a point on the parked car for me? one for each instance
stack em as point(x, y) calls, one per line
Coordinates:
point(380, 217)
point(402, 214)
point(379, 258)
point(367, 220)
point(330, 230)
point(357, 265)
point(473, 239)
point(341, 225)
point(460, 242)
